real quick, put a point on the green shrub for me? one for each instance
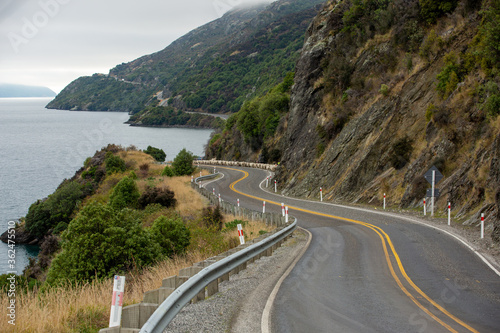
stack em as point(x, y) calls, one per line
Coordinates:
point(384, 90)
point(429, 112)
point(101, 242)
point(448, 78)
point(183, 163)
point(125, 194)
point(431, 10)
point(401, 152)
point(59, 207)
point(114, 164)
point(212, 217)
point(229, 226)
point(157, 195)
point(171, 234)
point(158, 154)
point(168, 172)
point(320, 149)
point(492, 105)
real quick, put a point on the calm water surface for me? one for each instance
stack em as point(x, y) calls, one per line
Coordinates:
point(39, 148)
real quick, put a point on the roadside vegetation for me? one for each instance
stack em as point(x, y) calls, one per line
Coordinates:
point(117, 215)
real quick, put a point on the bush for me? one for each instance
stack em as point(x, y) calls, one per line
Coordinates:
point(384, 90)
point(431, 10)
point(492, 105)
point(212, 217)
point(168, 172)
point(59, 207)
point(156, 195)
point(401, 152)
point(157, 153)
point(429, 112)
point(448, 78)
point(114, 164)
point(171, 234)
point(229, 226)
point(125, 194)
point(183, 163)
point(101, 242)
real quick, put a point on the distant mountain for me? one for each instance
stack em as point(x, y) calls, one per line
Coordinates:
point(17, 90)
point(214, 68)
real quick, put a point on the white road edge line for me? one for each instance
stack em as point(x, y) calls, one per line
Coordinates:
point(266, 314)
point(460, 239)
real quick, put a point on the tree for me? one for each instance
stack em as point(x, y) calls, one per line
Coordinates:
point(158, 154)
point(101, 242)
point(183, 163)
point(114, 163)
point(167, 172)
point(59, 207)
point(171, 234)
point(125, 194)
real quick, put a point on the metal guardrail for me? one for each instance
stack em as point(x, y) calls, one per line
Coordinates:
point(166, 312)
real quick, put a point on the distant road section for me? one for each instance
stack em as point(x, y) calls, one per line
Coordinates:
point(217, 115)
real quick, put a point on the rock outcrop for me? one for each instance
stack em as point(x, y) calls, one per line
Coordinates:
point(366, 117)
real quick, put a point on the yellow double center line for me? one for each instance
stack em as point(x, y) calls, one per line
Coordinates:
point(386, 240)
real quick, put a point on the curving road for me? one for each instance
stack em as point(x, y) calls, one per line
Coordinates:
point(367, 271)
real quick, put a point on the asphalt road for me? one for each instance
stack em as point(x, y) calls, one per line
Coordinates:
point(369, 272)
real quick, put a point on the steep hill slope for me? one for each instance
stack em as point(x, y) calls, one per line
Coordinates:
point(213, 68)
point(386, 89)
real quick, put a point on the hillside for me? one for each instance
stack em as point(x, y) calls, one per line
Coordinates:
point(212, 69)
point(383, 90)
point(17, 90)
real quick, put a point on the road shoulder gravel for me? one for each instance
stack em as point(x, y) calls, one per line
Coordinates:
point(239, 304)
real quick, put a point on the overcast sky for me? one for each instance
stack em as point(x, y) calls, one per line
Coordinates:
point(52, 42)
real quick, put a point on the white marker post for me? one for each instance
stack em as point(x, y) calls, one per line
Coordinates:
point(482, 225)
point(384, 201)
point(267, 181)
point(275, 187)
point(321, 194)
point(449, 213)
point(238, 202)
point(425, 208)
point(219, 198)
point(286, 214)
point(115, 316)
point(283, 209)
point(433, 185)
point(263, 207)
point(192, 179)
point(213, 190)
point(240, 234)
point(200, 183)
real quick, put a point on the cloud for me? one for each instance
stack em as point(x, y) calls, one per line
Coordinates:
point(52, 42)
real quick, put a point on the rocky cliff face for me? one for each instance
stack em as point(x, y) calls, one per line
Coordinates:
point(372, 111)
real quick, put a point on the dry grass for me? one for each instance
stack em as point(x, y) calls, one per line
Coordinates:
point(69, 308)
point(72, 308)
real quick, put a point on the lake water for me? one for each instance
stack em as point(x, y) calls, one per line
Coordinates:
point(39, 148)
